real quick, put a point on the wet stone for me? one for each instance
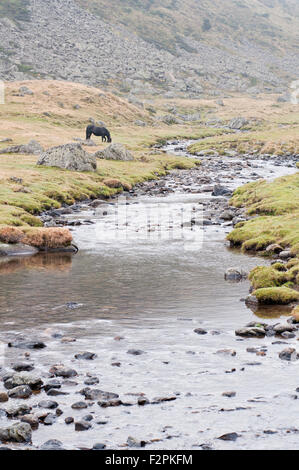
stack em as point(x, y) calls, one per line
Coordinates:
point(158, 400)
point(91, 381)
point(17, 411)
point(32, 420)
point(50, 419)
point(229, 394)
point(110, 403)
point(232, 436)
point(88, 418)
point(288, 354)
point(21, 392)
point(53, 392)
point(88, 356)
point(132, 442)
point(48, 404)
point(61, 371)
point(135, 352)
point(52, 444)
point(251, 332)
point(200, 331)
point(18, 432)
point(97, 394)
point(226, 352)
point(80, 405)
point(35, 383)
point(52, 384)
point(23, 366)
point(69, 420)
point(27, 345)
point(142, 401)
point(3, 397)
point(82, 426)
point(99, 446)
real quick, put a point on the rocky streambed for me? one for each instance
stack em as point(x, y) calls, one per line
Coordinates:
point(138, 340)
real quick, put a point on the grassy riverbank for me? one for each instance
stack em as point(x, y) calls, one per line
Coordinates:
point(58, 112)
point(274, 228)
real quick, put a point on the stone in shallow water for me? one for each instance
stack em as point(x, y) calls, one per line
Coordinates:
point(33, 381)
point(27, 344)
point(79, 405)
point(23, 366)
point(135, 352)
point(251, 332)
point(61, 371)
point(99, 446)
point(88, 356)
point(82, 425)
point(52, 444)
point(96, 394)
point(48, 404)
point(18, 432)
point(21, 392)
point(232, 436)
point(200, 331)
point(288, 354)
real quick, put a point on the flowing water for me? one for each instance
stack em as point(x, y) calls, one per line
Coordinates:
point(142, 282)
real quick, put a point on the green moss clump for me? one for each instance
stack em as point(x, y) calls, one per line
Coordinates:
point(276, 295)
point(264, 276)
point(279, 267)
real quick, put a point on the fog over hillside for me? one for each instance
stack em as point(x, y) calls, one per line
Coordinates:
point(151, 46)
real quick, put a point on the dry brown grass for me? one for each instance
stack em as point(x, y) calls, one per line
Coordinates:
point(11, 235)
point(48, 238)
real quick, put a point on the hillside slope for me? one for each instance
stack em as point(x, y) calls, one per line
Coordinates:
point(149, 46)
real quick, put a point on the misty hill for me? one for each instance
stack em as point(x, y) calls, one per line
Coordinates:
point(149, 46)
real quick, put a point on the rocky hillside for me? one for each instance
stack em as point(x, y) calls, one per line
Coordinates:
point(151, 46)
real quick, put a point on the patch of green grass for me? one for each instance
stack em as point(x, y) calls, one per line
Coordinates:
point(51, 187)
point(276, 295)
point(264, 276)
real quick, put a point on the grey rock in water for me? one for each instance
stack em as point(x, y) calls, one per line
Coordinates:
point(18, 432)
point(288, 354)
point(88, 356)
point(251, 332)
point(69, 157)
point(231, 436)
point(17, 249)
point(220, 190)
point(52, 444)
point(115, 152)
point(235, 274)
point(21, 392)
point(34, 382)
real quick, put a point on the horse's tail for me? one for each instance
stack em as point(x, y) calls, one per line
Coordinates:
point(88, 132)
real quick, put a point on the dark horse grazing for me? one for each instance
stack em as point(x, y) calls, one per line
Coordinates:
point(98, 131)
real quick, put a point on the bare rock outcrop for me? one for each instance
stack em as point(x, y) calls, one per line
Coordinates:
point(115, 152)
point(69, 157)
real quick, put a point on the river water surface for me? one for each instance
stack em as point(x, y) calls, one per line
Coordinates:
point(138, 282)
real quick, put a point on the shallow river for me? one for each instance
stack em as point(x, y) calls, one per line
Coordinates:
point(142, 279)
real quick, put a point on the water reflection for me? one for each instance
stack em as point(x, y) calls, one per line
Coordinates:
point(42, 262)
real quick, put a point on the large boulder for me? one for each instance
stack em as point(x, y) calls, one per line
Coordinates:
point(32, 148)
point(18, 432)
point(115, 152)
point(69, 157)
point(238, 123)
